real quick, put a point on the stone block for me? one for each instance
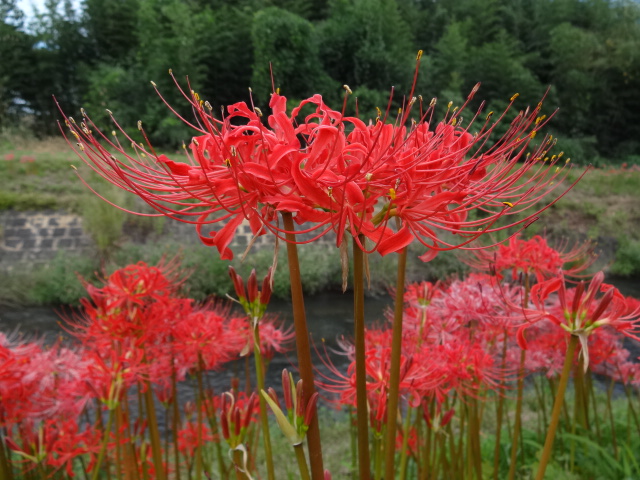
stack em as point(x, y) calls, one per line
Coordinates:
point(29, 244)
point(53, 222)
point(59, 232)
point(18, 222)
point(75, 232)
point(65, 243)
point(46, 243)
point(13, 243)
point(44, 232)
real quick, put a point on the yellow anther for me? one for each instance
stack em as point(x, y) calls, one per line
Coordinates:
point(379, 112)
point(258, 111)
point(433, 102)
point(508, 204)
point(449, 104)
point(515, 95)
point(153, 84)
point(347, 89)
point(489, 115)
point(560, 155)
point(419, 56)
point(368, 176)
point(74, 167)
point(420, 98)
point(201, 103)
point(278, 91)
point(84, 114)
point(72, 120)
point(399, 110)
point(109, 111)
point(184, 146)
point(227, 162)
point(114, 133)
point(533, 134)
point(454, 121)
point(553, 157)
point(392, 193)
point(208, 105)
point(557, 169)
point(170, 71)
point(195, 142)
point(412, 101)
point(140, 125)
point(567, 160)
point(80, 146)
point(73, 132)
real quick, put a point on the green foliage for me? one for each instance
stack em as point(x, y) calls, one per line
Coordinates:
point(58, 282)
point(103, 58)
point(627, 261)
point(286, 43)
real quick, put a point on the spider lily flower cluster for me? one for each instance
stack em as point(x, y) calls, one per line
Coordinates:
point(337, 173)
point(138, 337)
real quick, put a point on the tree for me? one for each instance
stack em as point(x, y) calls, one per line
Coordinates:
point(288, 44)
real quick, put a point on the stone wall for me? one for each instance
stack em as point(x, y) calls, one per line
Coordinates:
point(36, 237)
point(33, 237)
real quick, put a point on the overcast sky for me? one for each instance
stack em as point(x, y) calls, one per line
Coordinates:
point(27, 6)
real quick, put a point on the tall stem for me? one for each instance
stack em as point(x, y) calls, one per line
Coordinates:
point(302, 462)
point(361, 380)
point(394, 373)
point(266, 436)
point(518, 421)
point(6, 471)
point(303, 348)
point(500, 408)
point(557, 407)
point(103, 446)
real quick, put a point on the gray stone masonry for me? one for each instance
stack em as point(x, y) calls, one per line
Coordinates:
point(36, 237)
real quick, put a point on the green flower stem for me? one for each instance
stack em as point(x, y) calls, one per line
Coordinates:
point(614, 438)
point(474, 438)
point(364, 466)
point(518, 420)
point(592, 396)
point(404, 457)
point(394, 369)
point(377, 445)
point(499, 412)
point(103, 446)
point(266, 436)
point(627, 391)
point(302, 462)
point(119, 460)
point(557, 407)
point(154, 432)
point(199, 398)
point(5, 467)
point(175, 420)
point(305, 364)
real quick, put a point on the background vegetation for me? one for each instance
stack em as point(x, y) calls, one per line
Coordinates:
point(103, 54)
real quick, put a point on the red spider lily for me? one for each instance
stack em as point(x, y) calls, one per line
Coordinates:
point(579, 311)
point(254, 302)
point(189, 437)
point(295, 424)
point(533, 256)
point(235, 416)
point(336, 172)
